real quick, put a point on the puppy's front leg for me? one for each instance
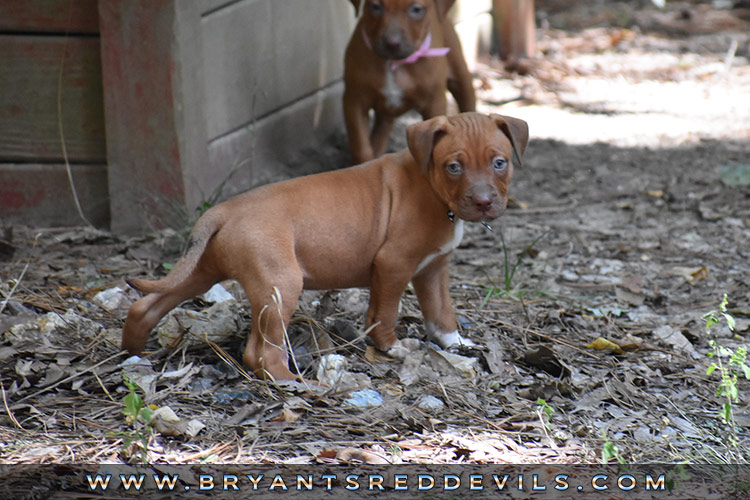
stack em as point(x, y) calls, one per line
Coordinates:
point(388, 284)
point(433, 293)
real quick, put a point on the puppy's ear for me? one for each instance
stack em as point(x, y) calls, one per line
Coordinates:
point(443, 6)
point(516, 130)
point(422, 137)
point(357, 6)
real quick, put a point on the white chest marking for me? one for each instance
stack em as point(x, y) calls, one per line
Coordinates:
point(394, 95)
point(449, 246)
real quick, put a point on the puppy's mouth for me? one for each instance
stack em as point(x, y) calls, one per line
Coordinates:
point(393, 50)
point(472, 212)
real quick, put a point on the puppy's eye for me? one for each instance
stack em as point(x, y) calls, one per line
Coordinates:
point(375, 8)
point(416, 11)
point(499, 163)
point(453, 168)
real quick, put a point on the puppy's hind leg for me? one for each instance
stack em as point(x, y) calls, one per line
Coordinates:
point(273, 298)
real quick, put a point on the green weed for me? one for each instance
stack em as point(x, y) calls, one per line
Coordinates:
point(730, 365)
point(545, 411)
point(610, 451)
point(509, 273)
point(137, 416)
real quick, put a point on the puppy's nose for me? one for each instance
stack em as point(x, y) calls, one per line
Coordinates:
point(483, 203)
point(393, 43)
point(482, 198)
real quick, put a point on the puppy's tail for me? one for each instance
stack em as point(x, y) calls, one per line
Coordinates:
point(205, 229)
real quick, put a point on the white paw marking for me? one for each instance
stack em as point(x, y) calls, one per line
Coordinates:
point(451, 339)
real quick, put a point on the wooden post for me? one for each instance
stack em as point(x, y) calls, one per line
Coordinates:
point(515, 28)
point(153, 100)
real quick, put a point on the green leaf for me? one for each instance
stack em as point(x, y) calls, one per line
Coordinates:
point(608, 452)
point(146, 413)
point(726, 414)
point(732, 392)
point(730, 321)
point(133, 405)
point(711, 368)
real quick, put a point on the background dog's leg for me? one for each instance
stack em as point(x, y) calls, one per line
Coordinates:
point(460, 83)
point(358, 129)
point(381, 131)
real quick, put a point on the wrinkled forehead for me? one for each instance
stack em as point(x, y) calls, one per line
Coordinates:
point(471, 136)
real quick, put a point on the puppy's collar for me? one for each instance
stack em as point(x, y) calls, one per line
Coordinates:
point(424, 50)
point(452, 218)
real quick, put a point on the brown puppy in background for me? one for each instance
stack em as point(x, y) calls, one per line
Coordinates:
point(403, 55)
point(381, 225)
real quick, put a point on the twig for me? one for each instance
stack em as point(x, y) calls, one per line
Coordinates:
point(543, 210)
point(7, 409)
point(551, 339)
point(491, 424)
point(15, 285)
point(60, 123)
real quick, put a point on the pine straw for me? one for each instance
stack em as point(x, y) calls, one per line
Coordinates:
point(78, 418)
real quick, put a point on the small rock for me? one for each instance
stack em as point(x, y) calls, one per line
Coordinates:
point(217, 294)
point(112, 299)
point(331, 369)
point(365, 397)
point(430, 403)
point(218, 324)
point(332, 372)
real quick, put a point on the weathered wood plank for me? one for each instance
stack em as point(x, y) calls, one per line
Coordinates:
point(58, 16)
point(40, 194)
point(29, 73)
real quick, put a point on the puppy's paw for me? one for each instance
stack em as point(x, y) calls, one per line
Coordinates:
point(451, 339)
point(402, 348)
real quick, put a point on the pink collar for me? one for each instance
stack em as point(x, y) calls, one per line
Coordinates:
point(423, 51)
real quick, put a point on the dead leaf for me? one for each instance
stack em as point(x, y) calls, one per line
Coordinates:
point(70, 291)
point(495, 357)
point(632, 284)
point(699, 275)
point(374, 356)
point(166, 422)
point(364, 456)
point(286, 415)
point(691, 274)
point(627, 297)
point(546, 360)
point(602, 344)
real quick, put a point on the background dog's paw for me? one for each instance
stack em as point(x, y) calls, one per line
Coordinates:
point(402, 348)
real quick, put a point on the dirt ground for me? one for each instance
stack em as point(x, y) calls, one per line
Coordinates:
point(630, 220)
